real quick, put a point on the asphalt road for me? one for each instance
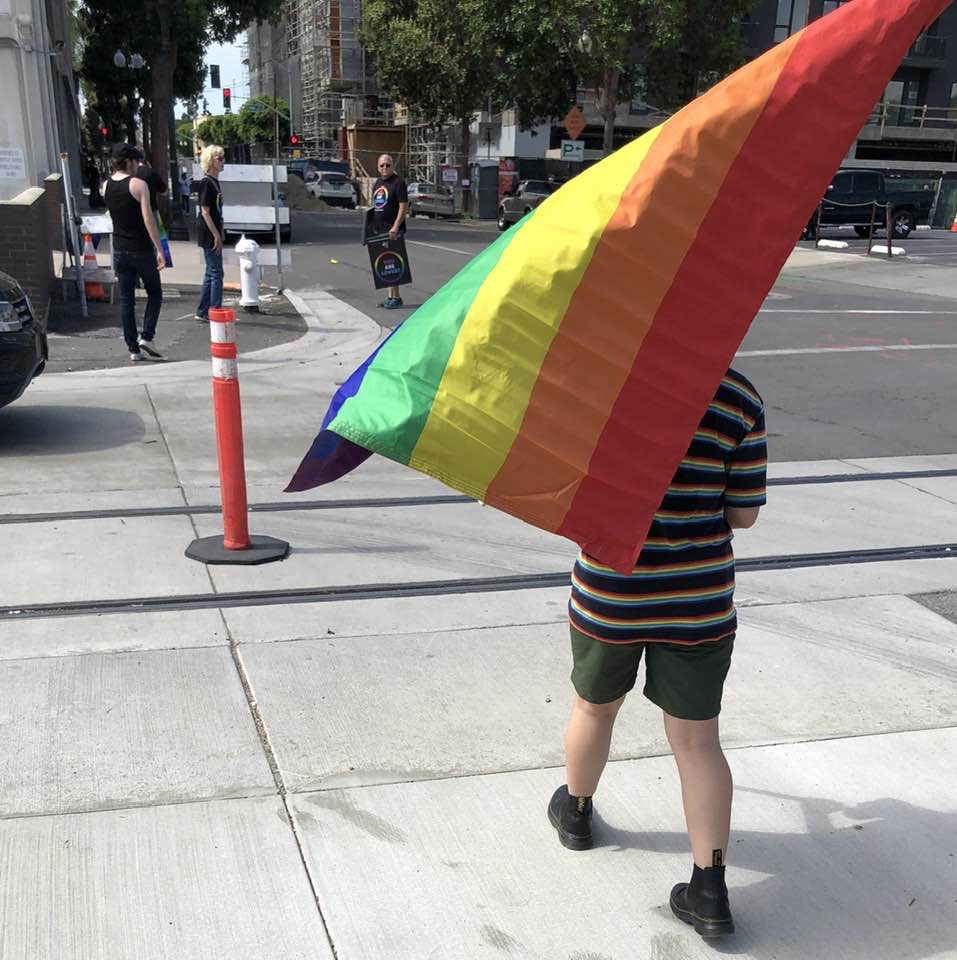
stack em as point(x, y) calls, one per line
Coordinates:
point(842, 364)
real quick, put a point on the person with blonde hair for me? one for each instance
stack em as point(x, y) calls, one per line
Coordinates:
point(210, 229)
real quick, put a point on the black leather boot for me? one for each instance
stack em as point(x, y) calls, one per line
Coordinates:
point(571, 817)
point(704, 902)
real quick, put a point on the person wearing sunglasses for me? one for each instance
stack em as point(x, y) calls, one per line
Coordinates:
point(390, 204)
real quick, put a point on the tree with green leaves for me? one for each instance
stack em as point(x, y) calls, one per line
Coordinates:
point(662, 49)
point(171, 35)
point(257, 119)
point(438, 62)
point(222, 130)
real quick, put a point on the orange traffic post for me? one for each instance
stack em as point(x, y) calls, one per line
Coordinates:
point(235, 545)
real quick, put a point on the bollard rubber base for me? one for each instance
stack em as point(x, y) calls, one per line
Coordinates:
point(250, 307)
point(260, 550)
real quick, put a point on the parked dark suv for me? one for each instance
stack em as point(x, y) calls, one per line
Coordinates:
point(23, 342)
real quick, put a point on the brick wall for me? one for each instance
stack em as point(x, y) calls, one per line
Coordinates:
point(25, 245)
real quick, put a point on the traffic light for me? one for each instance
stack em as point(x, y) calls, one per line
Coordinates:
point(227, 97)
point(294, 139)
point(214, 76)
point(104, 132)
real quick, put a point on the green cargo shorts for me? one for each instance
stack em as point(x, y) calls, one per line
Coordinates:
point(685, 681)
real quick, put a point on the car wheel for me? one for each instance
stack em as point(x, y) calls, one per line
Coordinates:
point(903, 224)
point(503, 224)
point(863, 232)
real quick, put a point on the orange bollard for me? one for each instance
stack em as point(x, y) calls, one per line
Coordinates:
point(236, 545)
point(93, 289)
point(229, 429)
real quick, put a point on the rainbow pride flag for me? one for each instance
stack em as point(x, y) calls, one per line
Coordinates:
point(561, 374)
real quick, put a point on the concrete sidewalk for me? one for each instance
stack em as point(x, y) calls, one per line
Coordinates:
point(195, 773)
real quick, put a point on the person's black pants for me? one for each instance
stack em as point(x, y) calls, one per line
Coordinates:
point(128, 267)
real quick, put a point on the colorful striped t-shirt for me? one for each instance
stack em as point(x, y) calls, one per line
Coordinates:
point(682, 588)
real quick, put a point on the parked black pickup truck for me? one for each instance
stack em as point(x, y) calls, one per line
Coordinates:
point(850, 198)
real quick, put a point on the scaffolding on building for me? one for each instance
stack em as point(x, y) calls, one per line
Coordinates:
point(428, 151)
point(336, 89)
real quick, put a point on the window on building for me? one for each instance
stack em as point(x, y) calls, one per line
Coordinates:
point(791, 17)
point(831, 5)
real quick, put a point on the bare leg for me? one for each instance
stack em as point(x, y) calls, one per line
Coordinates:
point(706, 786)
point(587, 742)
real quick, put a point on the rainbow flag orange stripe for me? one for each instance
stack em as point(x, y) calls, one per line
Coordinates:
point(561, 374)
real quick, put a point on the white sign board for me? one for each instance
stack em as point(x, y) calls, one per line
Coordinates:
point(573, 151)
point(450, 175)
point(12, 166)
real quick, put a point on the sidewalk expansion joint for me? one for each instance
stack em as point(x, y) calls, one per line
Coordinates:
point(432, 588)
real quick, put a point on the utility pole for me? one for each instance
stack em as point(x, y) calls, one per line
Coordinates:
point(275, 176)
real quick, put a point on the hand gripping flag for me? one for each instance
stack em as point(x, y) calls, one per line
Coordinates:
point(561, 374)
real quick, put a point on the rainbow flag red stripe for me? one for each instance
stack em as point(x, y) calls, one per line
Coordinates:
point(561, 374)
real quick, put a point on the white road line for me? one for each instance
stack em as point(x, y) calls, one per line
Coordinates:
point(890, 313)
point(436, 246)
point(806, 350)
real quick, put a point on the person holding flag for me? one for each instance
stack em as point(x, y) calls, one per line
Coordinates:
point(390, 204)
point(676, 608)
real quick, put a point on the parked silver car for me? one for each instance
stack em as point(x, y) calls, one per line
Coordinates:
point(527, 196)
point(431, 199)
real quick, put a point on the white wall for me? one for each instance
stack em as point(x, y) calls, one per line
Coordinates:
point(508, 140)
point(27, 115)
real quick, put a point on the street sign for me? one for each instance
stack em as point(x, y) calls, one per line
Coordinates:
point(573, 150)
point(450, 175)
point(574, 122)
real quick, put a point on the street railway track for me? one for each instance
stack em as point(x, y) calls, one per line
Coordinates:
point(374, 503)
point(426, 588)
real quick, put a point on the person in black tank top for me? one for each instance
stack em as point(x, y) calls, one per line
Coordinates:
point(137, 251)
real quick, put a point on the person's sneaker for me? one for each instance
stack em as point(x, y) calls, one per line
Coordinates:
point(200, 318)
point(136, 357)
point(147, 347)
point(703, 903)
point(571, 817)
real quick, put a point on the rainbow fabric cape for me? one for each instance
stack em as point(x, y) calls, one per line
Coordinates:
point(561, 374)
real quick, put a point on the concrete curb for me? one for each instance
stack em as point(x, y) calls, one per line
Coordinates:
point(332, 327)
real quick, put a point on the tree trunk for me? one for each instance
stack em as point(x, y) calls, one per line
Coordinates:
point(131, 115)
point(607, 104)
point(161, 72)
point(145, 114)
point(464, 166)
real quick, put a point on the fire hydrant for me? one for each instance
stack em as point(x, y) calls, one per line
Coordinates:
point(250, 273)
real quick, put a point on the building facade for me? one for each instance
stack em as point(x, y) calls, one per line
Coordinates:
point(39, 119)
point(916, 118)
point(39, 114)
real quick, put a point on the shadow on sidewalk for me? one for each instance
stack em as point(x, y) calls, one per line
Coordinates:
point(852, 886)
point(47, 430)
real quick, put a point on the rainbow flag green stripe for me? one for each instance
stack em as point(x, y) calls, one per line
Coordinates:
point(400, 384)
